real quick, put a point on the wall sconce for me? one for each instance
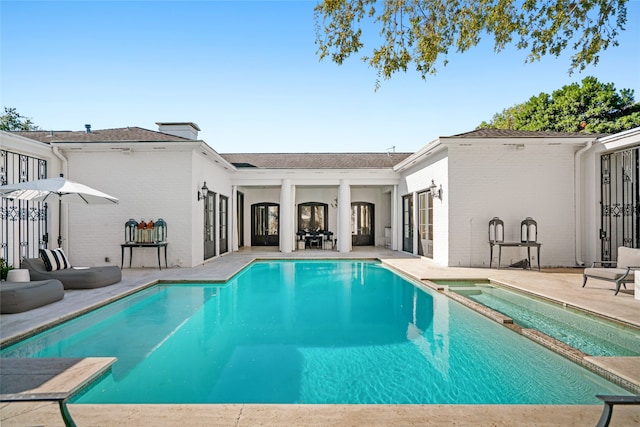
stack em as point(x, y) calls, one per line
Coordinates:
point(202, 193)
point(435, 191)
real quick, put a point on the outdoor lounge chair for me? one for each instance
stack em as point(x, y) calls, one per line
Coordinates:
point(16, 297)
point(74, 278)
point(620, 272)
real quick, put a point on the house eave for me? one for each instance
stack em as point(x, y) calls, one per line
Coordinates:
point(428, 150)
point(621, 140)
point(127, 147)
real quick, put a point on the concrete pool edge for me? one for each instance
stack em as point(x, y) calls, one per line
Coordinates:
point(239, 415)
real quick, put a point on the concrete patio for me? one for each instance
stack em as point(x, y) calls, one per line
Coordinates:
point(562, 285)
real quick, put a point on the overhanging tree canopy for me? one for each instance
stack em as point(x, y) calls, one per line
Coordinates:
point(419, 32)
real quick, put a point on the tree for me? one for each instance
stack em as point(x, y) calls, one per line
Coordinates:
point(419, 31)
point(591, 107)
point(12, 120)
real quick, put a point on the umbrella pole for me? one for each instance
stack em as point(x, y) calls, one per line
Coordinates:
point(59, 221)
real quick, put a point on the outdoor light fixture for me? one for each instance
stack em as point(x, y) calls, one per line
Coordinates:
point(435, 191)
point(202, 193)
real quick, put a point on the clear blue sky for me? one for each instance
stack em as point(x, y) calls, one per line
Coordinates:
point(247, 73)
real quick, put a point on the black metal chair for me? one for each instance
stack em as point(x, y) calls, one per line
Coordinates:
point(315, 239)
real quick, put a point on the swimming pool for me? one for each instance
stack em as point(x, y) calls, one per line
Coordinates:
point(311, 332)
point(592, 335)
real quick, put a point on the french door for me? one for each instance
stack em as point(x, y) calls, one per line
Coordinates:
point(407, 223)
point(240, 212)
point(425, 224)
point(265, 225)
point(210, 225)
point(362, 224)
point(223, 226)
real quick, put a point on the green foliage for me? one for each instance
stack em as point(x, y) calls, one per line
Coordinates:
point(11, 120)
point(4, 268)
point(419, 32)
point(592, 107)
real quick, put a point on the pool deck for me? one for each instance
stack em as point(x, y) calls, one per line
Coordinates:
point(562, 285)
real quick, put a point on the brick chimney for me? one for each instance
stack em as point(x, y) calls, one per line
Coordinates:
point(187, 130)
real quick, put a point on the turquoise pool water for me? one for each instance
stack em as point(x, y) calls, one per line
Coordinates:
point(311, 332)
point(590, 334)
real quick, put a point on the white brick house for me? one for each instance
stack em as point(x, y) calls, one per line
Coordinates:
point(362, 198)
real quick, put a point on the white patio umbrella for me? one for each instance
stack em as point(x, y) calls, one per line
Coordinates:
point(60, 189)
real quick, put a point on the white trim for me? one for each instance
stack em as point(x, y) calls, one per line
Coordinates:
point(620, 140)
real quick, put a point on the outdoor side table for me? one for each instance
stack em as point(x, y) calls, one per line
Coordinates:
point(144, 245)
point(18, 275)
point(500, 245)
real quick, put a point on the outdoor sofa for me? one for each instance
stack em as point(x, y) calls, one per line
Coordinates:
point(74, 278)
point(16, 297)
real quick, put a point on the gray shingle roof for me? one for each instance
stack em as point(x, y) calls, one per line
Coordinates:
point(101, 135)
point(508, 133)
point(315, 160)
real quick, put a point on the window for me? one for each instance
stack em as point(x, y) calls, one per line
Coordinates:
point(313, 216)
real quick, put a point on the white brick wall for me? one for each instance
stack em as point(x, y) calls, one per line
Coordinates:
point(218, 181)
point(419, 179)
point(144, 192)
point(511, 183)
point(149, 186)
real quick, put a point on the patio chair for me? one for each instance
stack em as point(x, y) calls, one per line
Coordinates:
point(315, 239)
point(74, 277)
point(620, 271)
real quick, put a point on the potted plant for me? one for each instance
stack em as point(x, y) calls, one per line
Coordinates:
point(4, 268)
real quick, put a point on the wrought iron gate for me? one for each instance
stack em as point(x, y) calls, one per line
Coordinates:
point(620, 201)
point(24, 223)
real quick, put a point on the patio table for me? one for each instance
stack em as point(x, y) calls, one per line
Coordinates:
point(144, 245)
point(500, 245)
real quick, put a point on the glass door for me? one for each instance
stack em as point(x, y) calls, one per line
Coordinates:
point(362, 220)
point(407, 223)
point(210, 225)
point(223, 238)
point(240, 210)
point(425, 224)
point(265, 224)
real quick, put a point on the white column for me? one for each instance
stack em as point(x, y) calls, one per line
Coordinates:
point(294, 218)
point(286, 217)
point(234, 218)
point(395, 224)
point(344, 217)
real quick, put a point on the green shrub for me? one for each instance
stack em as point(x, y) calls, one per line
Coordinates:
point(4, 268)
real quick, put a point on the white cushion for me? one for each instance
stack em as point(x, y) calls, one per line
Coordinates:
point(609, 273)
point(628, 257)
point(54, 259)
